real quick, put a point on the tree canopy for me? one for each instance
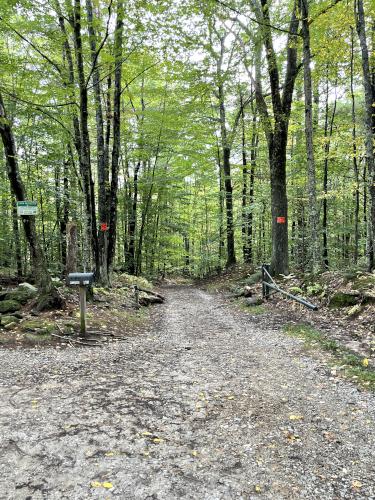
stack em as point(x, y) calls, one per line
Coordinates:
point(186, 136)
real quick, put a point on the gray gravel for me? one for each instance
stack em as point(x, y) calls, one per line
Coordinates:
point(204, 405)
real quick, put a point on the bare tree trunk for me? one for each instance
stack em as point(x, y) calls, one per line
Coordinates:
point(131, 257)
point(245, 175)
point(85, 164)
point(16, 238)
point(355, 156)
point(328, 129)
point(369, 123)
point(118, 49)
point(313, 208)
point(253, 163)
point(102, 166)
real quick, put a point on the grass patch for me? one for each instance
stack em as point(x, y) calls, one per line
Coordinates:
point(253, 310)
point(351, 365)
point(311, 336)
point(362, 376)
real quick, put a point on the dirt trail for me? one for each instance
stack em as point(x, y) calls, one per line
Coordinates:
point(204, 405)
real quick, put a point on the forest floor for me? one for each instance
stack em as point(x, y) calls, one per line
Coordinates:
point(205, 402)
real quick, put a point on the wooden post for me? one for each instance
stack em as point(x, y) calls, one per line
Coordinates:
point(82, 305)
point(136, 296)
point(265, 279)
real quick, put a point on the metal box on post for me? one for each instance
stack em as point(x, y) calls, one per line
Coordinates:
point(83, 280)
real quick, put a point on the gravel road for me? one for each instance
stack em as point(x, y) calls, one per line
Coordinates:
point(205, 404)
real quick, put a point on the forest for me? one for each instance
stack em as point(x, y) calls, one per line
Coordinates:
point(157, 137)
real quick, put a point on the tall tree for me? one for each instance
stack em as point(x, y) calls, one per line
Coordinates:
point(49, 296)
point(276, 129)
point(309, 132)
point(369, 122)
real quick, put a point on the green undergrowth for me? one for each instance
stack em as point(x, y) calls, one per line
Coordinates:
point(351, 365)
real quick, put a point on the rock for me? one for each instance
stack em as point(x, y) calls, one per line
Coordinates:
point(254, 301)
point(344, 299)
point(368, 297)
point(254, 278)
point(22, 294)
point(247, 292)
point(6, 320)
point(38, 326)
point(9, 306)
point(31, 288)
point(150, 299)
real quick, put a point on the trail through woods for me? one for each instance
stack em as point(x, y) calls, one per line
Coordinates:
point(205, 404)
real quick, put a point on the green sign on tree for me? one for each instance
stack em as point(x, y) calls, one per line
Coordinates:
point(27, 208)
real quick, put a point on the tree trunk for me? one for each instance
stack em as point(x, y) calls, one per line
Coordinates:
point(116, 132)
point(369, 123)
point(85, 163)
point(102, 166)
point(245, 175)
point(253, 162)
point(328, 130)
point(71, 246)
point(48, 294)
point(131, 258)
point(16, 238)
point(313, 208)
point(355, 156)
point(276, 129)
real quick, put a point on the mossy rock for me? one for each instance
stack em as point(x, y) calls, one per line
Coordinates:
point(314, 289)
point(350, 275)
point(364, 282)
point(296, 290)
point(7, 319)
point(38, 326)
point(343, 299)
point(21, 295)
point(253, 278)
point(9, 306)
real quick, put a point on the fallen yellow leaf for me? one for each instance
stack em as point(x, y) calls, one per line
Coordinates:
point(194, 453)
point(258, 489)
point(365, 362)
point(296, 417)
point(356, 484)
point(97, 484)
point(158, 440)
point(109, 454)
point(146, 433)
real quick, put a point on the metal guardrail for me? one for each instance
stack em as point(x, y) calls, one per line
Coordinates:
point(268, 284)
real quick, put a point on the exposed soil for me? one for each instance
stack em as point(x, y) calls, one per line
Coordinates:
point(205, 404)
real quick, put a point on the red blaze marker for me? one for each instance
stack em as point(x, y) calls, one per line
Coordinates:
point(281, 220)
point(104, 226)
